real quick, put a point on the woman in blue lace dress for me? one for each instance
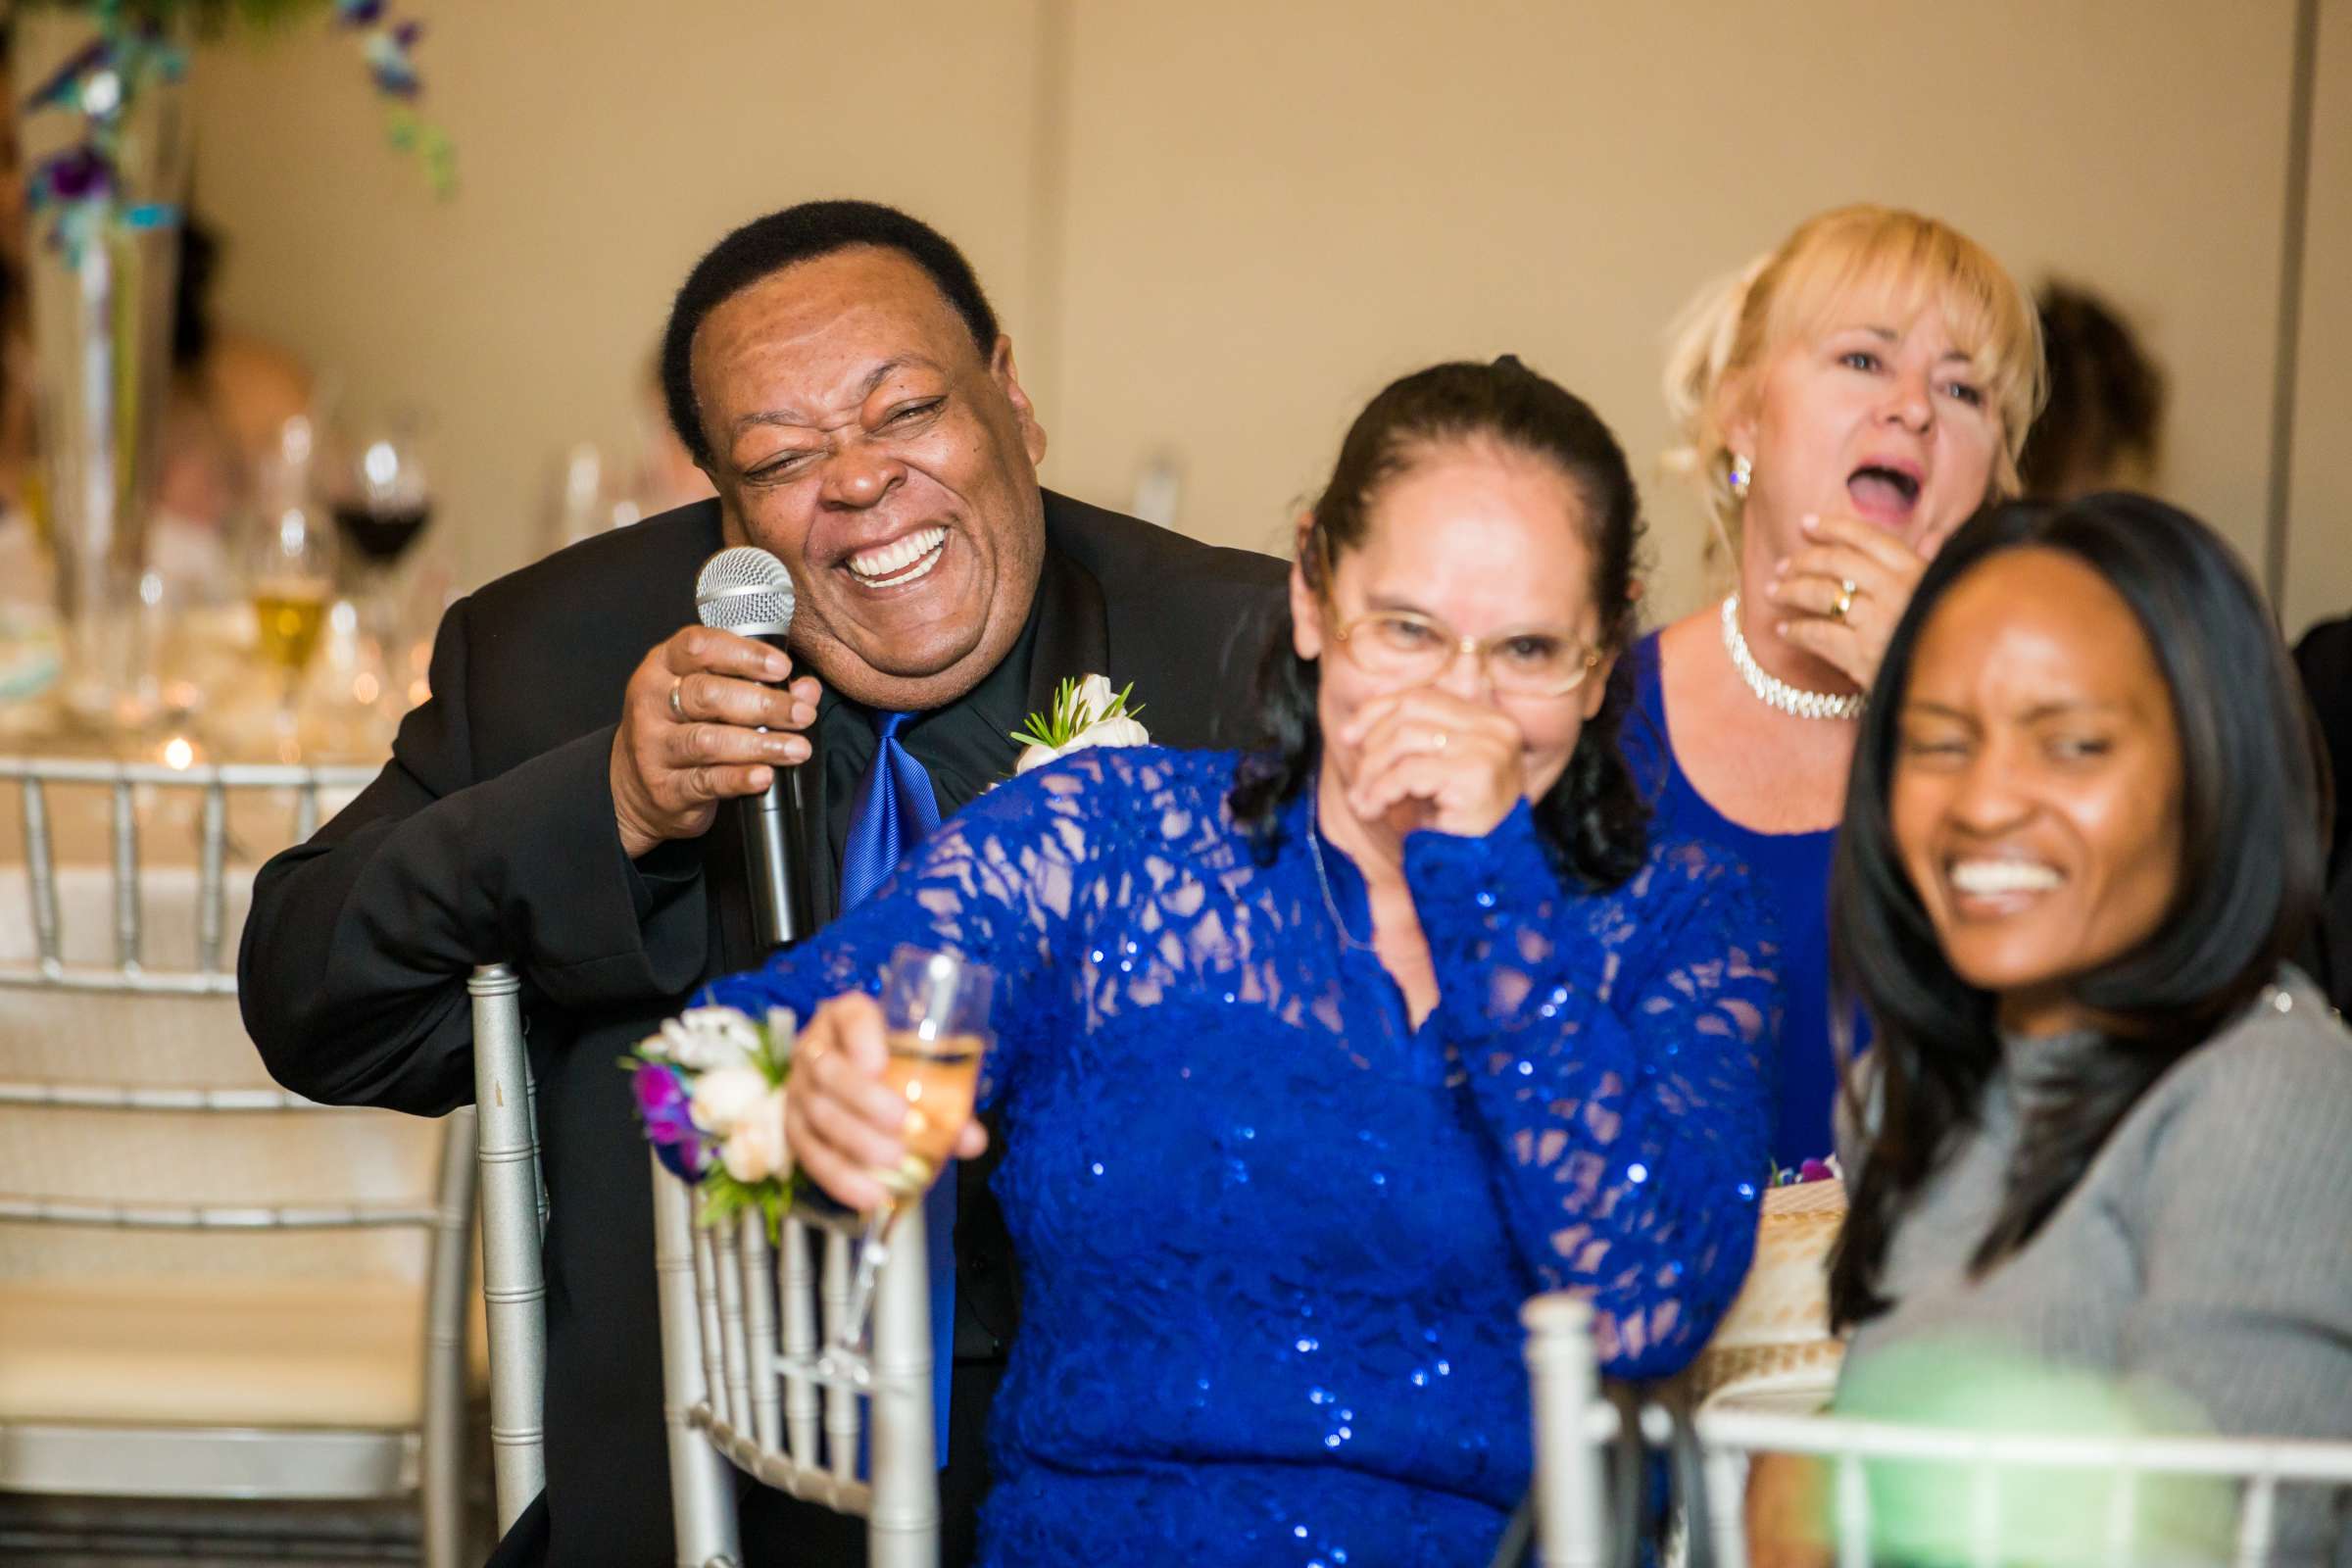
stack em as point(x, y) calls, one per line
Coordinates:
point(1313, 1063)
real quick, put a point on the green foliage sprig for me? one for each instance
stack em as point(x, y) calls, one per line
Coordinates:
point(1071, 715)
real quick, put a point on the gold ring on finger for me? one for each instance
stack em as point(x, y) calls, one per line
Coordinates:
point(677, 705)
point(1844, 601)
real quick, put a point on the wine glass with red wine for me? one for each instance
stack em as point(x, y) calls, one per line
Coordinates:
point(382, 500)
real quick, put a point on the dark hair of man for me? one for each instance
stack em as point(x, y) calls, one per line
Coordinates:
point(804, 234)
point(2106, 396)
point(1593, 819)
point(2254, 801)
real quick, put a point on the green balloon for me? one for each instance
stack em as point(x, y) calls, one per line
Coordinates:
point(1926, 1513)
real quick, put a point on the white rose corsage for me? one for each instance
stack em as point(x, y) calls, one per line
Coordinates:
point(1086, 713)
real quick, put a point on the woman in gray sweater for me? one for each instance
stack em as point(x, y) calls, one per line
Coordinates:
point(2104, 1132)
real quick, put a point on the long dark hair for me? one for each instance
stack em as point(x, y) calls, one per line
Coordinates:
point(1593, 819)
point(2253, 813)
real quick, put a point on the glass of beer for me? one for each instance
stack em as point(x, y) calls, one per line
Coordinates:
point(935, 1020)
point(290, 578)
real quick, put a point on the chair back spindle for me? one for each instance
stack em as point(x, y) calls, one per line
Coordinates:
point(130, 1102)
point(1885, 1481)
point(514, 1279)
point(745, 1382)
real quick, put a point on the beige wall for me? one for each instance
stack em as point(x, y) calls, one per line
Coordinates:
point(1366, 191)
point(601, 146)
point(2319, 577)
point(1214, 227)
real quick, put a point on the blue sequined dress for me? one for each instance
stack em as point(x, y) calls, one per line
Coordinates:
point(1793, 870)
point(1273, 1239)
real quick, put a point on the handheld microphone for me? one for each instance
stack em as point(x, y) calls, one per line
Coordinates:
point(747, 591)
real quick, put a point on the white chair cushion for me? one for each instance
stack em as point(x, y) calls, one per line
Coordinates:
point(213, 1352)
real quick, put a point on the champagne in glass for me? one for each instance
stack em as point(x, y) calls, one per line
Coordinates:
point(935, 1017)
point(290, 577)
point(290, 612)
point(939, 1078)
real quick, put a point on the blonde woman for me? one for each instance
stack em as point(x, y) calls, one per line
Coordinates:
point(1846, 402)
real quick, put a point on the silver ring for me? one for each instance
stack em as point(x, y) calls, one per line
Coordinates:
point(676, 706)
point(1438, 739)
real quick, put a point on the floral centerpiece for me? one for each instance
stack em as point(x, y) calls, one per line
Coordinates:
point(711, 1087)
point(135, 46)
point(101, 119)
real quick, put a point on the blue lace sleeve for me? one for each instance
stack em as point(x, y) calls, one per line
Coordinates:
point(998, 884)
point(1618, 1048)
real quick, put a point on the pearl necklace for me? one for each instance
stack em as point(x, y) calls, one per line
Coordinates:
point(1774, 692)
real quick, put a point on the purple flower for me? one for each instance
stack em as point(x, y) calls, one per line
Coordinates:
point(1816, 1170)
point(663, 1103)
point(359, 13)
point(75, 175)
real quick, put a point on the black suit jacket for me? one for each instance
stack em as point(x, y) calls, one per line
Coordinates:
point(490, 836)
point(2323, 659)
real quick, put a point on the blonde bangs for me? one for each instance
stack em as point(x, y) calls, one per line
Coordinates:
point(1906, 260)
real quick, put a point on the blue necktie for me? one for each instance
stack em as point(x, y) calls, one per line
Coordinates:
point(892, 812)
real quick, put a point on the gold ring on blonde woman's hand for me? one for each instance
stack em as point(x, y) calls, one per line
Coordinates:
point(1844, 601)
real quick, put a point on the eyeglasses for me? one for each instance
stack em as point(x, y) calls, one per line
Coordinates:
point(1409, 649)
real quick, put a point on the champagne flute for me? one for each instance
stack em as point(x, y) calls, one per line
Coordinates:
point(935, 1023)
point(290, 577)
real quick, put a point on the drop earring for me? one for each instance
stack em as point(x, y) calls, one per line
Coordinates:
point(1740, 472)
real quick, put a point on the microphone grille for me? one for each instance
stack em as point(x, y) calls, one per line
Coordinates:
point(745, 590)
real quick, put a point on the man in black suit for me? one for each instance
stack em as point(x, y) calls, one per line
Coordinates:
point(836, 370)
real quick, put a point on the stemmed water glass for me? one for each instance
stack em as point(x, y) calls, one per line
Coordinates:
point(935, 1024)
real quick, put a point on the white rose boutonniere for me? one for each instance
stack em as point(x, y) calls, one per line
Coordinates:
point(1086, 713)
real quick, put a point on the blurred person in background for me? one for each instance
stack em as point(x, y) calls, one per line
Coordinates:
point(231, 392)
point(232, 396)
point(1845, 402)
point(2102, 427)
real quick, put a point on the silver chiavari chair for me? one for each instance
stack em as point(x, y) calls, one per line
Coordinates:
point(1969, 1476)
point(118, 1045)
point(748, 1390)
point(513, 1199)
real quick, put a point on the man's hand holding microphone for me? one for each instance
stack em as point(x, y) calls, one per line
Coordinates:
point(692, 733)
